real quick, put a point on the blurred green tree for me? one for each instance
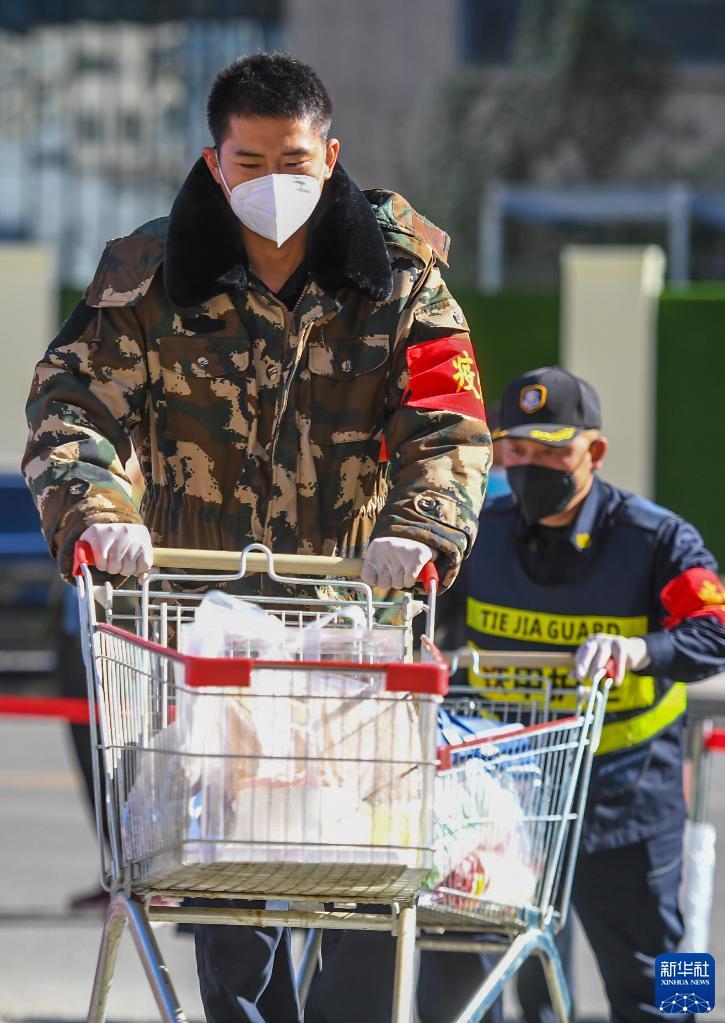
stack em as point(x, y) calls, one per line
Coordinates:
point(583, 84)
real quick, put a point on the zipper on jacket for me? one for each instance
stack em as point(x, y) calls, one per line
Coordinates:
point(290, 326)
point(279, 411)
point(289, 314)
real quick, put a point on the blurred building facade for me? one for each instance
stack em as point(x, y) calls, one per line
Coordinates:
point(102, 107)
point(100, 119)
point(383, 62)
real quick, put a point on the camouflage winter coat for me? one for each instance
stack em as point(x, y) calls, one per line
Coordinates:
point(358, 414)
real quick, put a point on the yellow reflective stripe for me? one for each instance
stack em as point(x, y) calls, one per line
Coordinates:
point(635, 693)
point(538, 627)
point(622, 734)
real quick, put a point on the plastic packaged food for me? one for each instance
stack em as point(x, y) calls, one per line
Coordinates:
point(482, 838)
point(314, 758)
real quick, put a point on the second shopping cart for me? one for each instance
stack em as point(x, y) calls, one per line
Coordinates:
point(319, 774)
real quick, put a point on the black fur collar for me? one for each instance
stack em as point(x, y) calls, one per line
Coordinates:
point(204, 253)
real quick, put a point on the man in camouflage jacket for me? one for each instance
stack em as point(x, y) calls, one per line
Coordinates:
point(356, 414)
point(324, 410)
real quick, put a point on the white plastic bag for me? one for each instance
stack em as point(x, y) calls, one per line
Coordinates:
point(301, 756)
point(228, 626)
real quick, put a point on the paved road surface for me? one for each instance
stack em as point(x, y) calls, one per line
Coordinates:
point(47, 957)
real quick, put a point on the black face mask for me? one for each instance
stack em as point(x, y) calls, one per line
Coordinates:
point(540, 491)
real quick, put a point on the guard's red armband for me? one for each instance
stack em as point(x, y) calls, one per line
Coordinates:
point(693, 594)
point(444, 377)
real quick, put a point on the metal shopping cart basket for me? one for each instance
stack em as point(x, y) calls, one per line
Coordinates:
point(508, 813)
point(295, 780)
point(315, 782)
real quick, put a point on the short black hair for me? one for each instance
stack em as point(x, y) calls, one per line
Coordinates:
point(267, 85)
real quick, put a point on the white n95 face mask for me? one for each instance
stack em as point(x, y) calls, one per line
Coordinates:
point(276, 205)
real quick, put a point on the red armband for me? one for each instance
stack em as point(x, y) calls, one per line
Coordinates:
point(444, 377)
point(693, 594)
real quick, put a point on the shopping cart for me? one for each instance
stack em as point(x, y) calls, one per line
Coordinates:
point(346, 801)
point(508, 814)
point(330, 802)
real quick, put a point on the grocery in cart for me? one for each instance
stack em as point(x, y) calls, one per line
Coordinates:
point(287, 748)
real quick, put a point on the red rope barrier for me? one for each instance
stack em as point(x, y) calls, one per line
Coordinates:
point(73, 708)
point(715, 740)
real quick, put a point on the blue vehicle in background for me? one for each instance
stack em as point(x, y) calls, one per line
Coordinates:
point(30, 589)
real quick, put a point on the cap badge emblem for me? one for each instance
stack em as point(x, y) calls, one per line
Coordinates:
point(532, 398)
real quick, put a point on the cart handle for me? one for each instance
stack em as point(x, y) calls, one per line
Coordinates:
point(82, 555)
point(284, 564)
point(482, 661)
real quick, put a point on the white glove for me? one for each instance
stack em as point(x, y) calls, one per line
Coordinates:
point(596, 652)
point(120, 548)
point(393, 562)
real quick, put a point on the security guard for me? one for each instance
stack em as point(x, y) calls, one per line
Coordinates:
point(569, 562)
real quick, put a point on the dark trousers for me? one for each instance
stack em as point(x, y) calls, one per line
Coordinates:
point(246, 976)
point(447, 982)
point(627, 901)
point(356, 983)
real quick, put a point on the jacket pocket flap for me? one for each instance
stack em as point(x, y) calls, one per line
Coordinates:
point(341, 360)
point(205, 357)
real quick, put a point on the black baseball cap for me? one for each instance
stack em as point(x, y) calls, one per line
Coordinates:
point(548, 405)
